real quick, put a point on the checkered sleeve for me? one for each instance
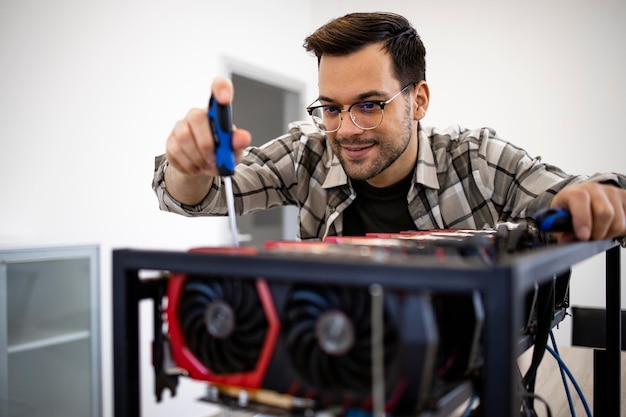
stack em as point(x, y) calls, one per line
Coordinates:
point(288, 170)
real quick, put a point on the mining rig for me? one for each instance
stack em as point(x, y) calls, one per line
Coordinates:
point(406, 324)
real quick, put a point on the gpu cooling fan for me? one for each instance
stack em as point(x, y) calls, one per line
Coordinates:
point(327, 333)
point(220, 324)
point(223, 329)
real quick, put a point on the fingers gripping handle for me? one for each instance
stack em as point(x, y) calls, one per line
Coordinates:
point(554, 220)
point(221, 123)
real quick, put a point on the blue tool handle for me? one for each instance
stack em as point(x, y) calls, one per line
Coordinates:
point(554, 220)
point(221, 123)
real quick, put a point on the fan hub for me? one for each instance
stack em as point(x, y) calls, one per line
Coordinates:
point(219, 319)
point(335, 332)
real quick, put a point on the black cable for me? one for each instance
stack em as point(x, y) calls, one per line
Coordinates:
point(525, 407)
point(544, 315)
point(545, 403)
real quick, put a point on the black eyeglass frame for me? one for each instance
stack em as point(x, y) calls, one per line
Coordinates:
point(380, 103)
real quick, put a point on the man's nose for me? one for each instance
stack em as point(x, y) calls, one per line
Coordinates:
point(347, 126)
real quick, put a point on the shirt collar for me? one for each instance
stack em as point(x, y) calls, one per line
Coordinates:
point(426, 170)
point(336, 175)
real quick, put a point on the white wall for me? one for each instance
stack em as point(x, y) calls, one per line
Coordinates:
point(89, 90)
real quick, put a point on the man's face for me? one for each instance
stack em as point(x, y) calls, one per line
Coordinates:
point(383, 155)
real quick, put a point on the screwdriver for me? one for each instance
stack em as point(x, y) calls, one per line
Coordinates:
point(221, 123)
point(554, 220)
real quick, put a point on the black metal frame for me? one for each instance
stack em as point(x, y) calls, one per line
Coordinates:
point(500, 284)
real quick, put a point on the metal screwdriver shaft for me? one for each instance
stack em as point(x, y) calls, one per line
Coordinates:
point(230, 201)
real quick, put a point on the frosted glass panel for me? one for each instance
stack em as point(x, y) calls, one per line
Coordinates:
point(47, 299)
point(49, 328)
point(51, 381)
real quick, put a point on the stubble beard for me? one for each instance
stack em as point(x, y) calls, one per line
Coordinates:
point(363, 170)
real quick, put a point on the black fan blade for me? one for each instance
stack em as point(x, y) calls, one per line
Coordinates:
point(301, 333)
point(310, 297)
point(207, 289)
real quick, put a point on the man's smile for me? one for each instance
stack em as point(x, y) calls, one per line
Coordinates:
point(356, 150)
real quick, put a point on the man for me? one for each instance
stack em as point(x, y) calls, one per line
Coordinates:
point(365, 164)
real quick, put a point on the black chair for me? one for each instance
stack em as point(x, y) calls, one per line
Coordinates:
point(589, 327)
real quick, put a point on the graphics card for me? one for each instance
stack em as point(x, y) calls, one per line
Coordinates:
point(309, 344)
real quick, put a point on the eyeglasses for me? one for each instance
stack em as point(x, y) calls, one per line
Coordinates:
point(366, 115)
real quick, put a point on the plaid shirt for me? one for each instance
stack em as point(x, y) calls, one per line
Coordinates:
point(463, 179)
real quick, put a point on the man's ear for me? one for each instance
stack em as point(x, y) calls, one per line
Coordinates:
point(421, 97)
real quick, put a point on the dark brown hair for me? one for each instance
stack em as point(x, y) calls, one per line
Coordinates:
point(352, 32)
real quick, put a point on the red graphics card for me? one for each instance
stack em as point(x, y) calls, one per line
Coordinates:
point(298, 344)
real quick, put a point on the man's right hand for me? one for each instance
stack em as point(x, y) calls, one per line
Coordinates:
point(190, 149)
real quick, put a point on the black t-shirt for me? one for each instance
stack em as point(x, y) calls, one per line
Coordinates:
point(378, 210)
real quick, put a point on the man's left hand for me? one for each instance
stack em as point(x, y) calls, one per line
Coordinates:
point(598, 211)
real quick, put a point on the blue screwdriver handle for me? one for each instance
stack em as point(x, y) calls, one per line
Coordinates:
point(554, 220)
point(221, 123)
